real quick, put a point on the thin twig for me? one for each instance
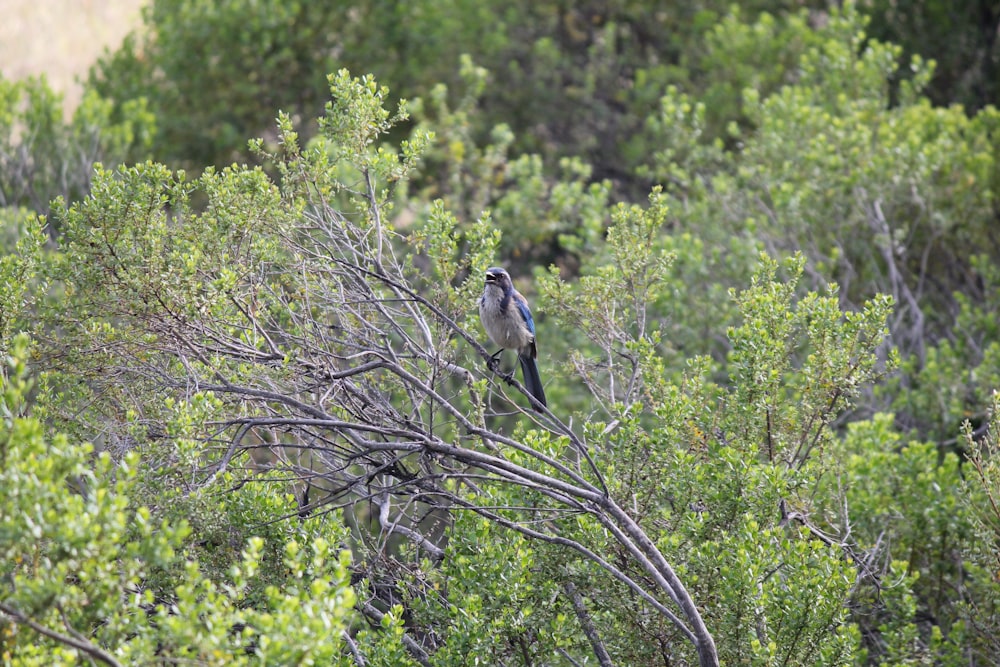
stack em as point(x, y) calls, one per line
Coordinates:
point(78, 642)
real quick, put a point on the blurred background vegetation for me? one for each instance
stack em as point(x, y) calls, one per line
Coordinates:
point(862, 139)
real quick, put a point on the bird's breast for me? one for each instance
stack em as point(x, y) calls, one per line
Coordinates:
point(505, 329)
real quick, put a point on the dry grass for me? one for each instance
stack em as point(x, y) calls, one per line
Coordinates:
point(61, 38)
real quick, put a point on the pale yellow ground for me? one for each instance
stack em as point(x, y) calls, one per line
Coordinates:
point(61, 38)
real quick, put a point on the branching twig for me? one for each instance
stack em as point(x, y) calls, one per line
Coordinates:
point(418, 653)
point(589, 629)
point(78, 642)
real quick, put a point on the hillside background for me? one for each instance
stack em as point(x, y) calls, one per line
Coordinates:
point(62, 39)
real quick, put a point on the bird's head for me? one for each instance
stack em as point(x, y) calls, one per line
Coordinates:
point(498, 277)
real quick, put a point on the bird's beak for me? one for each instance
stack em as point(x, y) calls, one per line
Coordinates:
point(491, 278)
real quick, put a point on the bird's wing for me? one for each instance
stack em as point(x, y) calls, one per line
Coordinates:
point(522, 307)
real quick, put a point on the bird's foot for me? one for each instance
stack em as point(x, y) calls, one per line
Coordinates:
point(494, 363)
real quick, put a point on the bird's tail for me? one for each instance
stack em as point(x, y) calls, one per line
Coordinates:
point(532, 382)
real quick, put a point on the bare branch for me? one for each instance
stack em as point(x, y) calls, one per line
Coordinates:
point(589, 629)
point(352, 646)
point(78, 641)
point(419, 654)
point(383, 503)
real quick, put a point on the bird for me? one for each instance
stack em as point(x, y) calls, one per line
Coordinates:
point(507, 320)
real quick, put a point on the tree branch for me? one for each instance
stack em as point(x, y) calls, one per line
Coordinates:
point(79, 643)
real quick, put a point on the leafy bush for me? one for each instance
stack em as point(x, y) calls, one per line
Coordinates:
point(80, 562)
point(274, 360)
point(42, 157)
point(570, 80)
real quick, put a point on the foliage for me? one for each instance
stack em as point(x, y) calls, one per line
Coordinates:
point(43, 157)
point(918, 543)
point(229, 300)
point(79, 556)
point(280, 305)
point(21, 253)
point(879, 197)
point(757, 373)
point(960, 38)
point(215, 73)
point(744, 461)
point(570, 80)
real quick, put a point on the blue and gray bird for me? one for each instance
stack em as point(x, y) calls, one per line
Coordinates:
point(507, 319)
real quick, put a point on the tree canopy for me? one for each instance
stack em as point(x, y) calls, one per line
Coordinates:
point(248, 411)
